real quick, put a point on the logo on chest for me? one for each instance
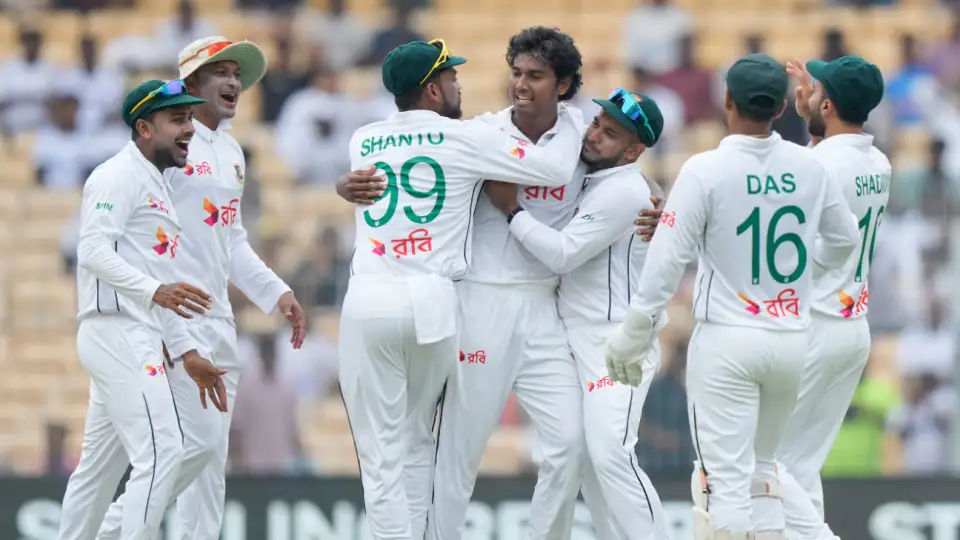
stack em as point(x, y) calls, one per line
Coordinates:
point(201, 169)
point(157, 204)
point(226, 215)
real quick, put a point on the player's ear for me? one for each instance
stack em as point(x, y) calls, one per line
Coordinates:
point(782, 109)
point(634, 151)
point(727, 101)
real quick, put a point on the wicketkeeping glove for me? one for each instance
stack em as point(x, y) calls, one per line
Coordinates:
point(629, 345)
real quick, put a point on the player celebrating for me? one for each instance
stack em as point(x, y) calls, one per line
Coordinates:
point(760, 199)
point(129, 236)
point(399, 331)
point(836, 107)
point(599, 260)
point(207, 195)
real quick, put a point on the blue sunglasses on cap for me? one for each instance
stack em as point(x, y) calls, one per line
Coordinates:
point(175, 87)
point(631, 107)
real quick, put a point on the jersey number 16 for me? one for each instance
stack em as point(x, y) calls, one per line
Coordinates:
point(392, 192)
point(774, 242)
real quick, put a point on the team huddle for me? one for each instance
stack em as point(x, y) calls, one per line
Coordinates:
point(520, 251)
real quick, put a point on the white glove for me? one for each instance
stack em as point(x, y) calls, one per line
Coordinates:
point(629, 344)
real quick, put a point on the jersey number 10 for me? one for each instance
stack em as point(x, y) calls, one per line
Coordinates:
point(773, 242)
point(392, 192)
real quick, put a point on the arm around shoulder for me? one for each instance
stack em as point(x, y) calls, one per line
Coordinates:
point(499, 156)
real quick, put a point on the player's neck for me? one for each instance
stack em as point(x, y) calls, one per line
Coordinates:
point(207, 117)
point(749, 129)
point(840, 128)
point(533, 126)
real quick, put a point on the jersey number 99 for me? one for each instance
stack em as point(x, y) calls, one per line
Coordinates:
point(392, 192)
point(773, 242)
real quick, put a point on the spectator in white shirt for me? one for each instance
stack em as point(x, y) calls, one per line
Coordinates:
point(344, 36)
point(314, 128)
point(24, 85)
point(652, 33)
point(95, 106)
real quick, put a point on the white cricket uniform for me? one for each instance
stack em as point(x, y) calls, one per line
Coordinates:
point(399, 323)
point(207, 194)
point(129, 240)
point(599, 258)
point(751, 210)
point(512, 339)
point(839, 334)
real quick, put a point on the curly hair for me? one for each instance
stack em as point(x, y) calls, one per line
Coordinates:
point(553, 47)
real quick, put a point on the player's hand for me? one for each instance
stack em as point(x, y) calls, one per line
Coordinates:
point(208, 379)
point(291, 309)
point(177, 296)
point(805, 87)
point(624, 357)
point(503, 195)
point(648, 220)
point(361, 187)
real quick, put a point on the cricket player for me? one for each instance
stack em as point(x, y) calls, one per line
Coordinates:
point(836, 98)
point(129, 244)
point(752, 209)
point(207, 194)
point(399, 322)
point(530, 356)
point(599, 261)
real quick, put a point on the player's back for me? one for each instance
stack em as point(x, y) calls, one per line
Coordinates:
point(862, 173)
point(421, 223)
point(765, 199)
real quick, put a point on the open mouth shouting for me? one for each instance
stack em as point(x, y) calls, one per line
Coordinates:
point(229, 98)
point(183, 144)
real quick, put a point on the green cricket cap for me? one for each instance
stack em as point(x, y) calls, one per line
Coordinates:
point(408, 64)
point(648, 125)
point(758, 84)
point(156, 103)
point(854, 85)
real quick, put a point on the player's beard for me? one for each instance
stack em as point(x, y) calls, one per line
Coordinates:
point(595, 164)
point(165, 156)
point(815, 125)
point(451, 109)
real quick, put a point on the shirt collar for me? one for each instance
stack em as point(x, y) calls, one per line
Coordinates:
point(859, 140)
point(612, 171)
point(149, 168)
point(208, 134)
point(506, 120)
point(746, 141)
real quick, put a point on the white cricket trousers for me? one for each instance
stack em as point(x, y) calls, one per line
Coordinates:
point(839, 349)
point(512, 339)
point(742, 386)
point(200, 488)
point(392, 386)
point(622, 500)
point(131, 419)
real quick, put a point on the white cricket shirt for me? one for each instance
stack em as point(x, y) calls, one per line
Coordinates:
point(751, 210)
point(434, 168)
point(498, 256)
point(129, 245)
point(863, 174)
point(207, 194)
point(598, 253)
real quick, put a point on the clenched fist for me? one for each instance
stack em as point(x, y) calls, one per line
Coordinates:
point(177, 296)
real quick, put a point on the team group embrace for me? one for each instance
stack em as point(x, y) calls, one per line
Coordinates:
point(519, 251)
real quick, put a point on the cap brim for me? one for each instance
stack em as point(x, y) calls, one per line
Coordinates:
point(167, 102)
point(451, 62)
point(250, 58)
point(614, 111)
point(816, 68)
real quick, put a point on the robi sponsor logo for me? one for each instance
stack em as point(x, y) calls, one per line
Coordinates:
point(202, 169)
point(226, 215)
point(540, 193)
point(166, 243)
point(153, 371)
point(157, 204)
point(603, 382)
point(479, 357)
point(519, 151)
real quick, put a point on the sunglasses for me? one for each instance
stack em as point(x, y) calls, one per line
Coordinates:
point(631, 107)
point(444, 56)
point(175, 87)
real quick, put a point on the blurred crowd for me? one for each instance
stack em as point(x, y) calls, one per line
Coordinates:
point(898, 424)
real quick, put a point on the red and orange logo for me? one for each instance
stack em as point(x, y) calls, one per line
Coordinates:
point(153, 371)
point(479, 357)
point(519, 151)
point(157, 204)
point(166, 243)
point(603, 382)
point(379, 248)
point(211, 209)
